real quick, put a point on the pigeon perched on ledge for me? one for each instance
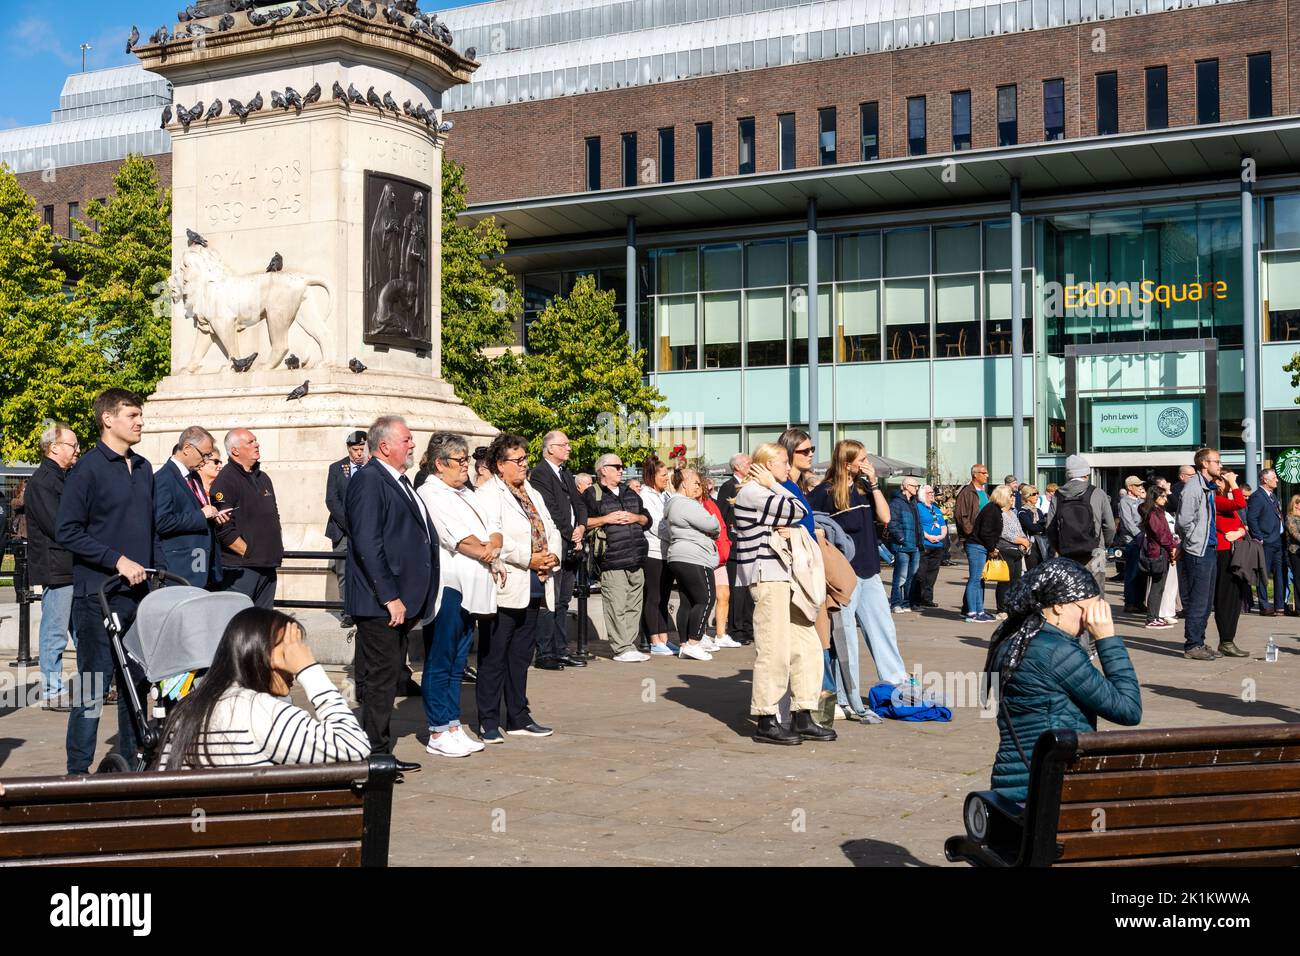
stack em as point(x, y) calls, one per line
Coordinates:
point(194, 239)
point(277, 263)
point(313, 94)
point(213, 111)
point(339, 92)
point(277, 101)
point(300, 392)
point(225, 23)
point(292, 362)
point(243, 364)
point(356, 366)
point(133, 39)
point(166, 117)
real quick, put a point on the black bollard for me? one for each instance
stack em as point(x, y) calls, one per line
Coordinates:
point(583, 589)
point(23, 591)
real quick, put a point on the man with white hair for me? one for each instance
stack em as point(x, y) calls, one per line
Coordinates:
point(740, 619)
point(252, 546)
point(618, 512)
point(1265, 522)
point(554, 482)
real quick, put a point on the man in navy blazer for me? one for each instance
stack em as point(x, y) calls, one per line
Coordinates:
point(1264, 518)
point(183, 516)
point(392, 574)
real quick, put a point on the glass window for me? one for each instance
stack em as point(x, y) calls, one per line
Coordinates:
point(745, 158)
point(997, 244)
point(908, 442)
point(786, 123)
point(907, 318)
point(722, 330)
point(956, 316)
point(48, 216)
point(907, 252)
point(1054, 109)
point(1107, 104)
point(956, 448)
point(74, 210)
point(1259, 78)
point(720, 444)
point(870, 117)
point(799, 309)
point(997, 446)
point(593, 163)
point(721, 267)
point(916, 125)
point(799, 260)
point(961, 120)
point(866, 432)
point(765, 263)
point(957, 248)
point(667, 155)
point(676, 270)
point(826, 140)
point(857, 313)
point(997, 304)
point(1279, 294)
point(1007, 131)
point(703, 150)
point(1207, 91)
point(1157, 97)
point(1282, 222)
point(629, 159)
point(857, 256)
point(765, 327)
point(677, 334)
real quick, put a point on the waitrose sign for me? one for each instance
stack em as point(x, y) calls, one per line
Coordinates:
point(1174, 423)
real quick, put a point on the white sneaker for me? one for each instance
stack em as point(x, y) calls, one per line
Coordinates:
point(709, 644)
point(447, 745)
point(660, 650)
point(726, 641)
point(696, 651)
point(631, 657)
point(469, 742)
point(839, 713)
point(898, 610)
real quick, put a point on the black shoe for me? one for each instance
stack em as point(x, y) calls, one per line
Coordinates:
point(743, 640)
point(926, 604)
point(407, 766)
point(1291, 612)
point(532, 730)
point(772, 731)
point(809, 729)
point(346, 621)
point(569, 660)
point(1268, 612)
point(548, 664)
point(470, 676)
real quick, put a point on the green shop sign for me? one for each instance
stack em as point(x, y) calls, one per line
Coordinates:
point(1288, 465)
point(1168, 423)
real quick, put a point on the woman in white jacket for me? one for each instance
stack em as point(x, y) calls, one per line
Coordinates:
point(530, 553)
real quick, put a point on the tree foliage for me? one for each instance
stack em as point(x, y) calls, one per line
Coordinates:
point(1293, 367)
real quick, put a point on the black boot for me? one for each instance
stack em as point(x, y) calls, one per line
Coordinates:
point(808, 729)
point(772, 731)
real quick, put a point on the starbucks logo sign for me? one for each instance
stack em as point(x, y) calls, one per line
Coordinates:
point(1288, 466)
point(1173, 422)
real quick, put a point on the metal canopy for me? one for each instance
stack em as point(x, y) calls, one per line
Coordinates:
point(1097, 163)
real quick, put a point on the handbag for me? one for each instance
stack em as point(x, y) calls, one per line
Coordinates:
point(1153, 566)
point(996, 571)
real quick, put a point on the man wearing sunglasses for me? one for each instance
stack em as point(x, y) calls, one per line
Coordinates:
point(617, 513)
point(183, 516)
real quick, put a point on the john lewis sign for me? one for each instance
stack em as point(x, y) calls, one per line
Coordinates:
point(1171, 423)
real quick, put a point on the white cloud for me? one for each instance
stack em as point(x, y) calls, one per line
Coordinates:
point(37, 37)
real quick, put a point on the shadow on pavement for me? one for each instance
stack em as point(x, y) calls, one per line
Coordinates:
point(1153, 646)
point(725, 699)
point(879, 853)
point(1227, 703)
point(7, 746)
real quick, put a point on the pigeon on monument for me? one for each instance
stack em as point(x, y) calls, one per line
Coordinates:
point(300, 392)
point(199, 29)
point(277, 101)
point(471, 52)
point(372, 11)
point(159, 35)
point(357, 8)
point(305, 9)
point(277, 263)
point(258, 19)
point(446, 126)
point(313, 95)
point(390, 103)
point(184, 15)
point(392, 16)
point(292, 98)
point(239, 109)
point(194, 239)
point(183, 115)
point(255, 103)
point(406, 108)
point(166, 117)
point(133, 39)
point(292, 362)
point(339, 92)
point(356, 366)
point(243, 364)
point(214, 110)
point(275, 16)
point(417, 26)
point(372, 98)
point(355, 95)
point(225, 23)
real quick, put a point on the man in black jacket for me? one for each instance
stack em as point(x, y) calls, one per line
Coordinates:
point(49, 565)
point(336, 489)
point(251, 544)
point(618, 512)
point(740, 619)
point(555, 483)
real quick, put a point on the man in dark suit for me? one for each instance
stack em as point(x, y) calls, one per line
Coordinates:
point(183, 515)
point(554, 482)
point(336, 485)
point(1264, 521)
point(392, 575)
point(740, 619)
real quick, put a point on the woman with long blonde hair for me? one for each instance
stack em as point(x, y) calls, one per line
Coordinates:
point(852, 497)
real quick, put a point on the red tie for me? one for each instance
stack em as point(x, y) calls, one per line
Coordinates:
point(198, 490)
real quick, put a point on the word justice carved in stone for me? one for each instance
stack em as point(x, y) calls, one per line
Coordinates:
point(412, 157)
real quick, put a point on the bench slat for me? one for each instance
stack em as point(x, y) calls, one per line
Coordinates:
point(1288, 857)
point(1183, 782)
point(1218, 756)
point(128, 808)
point(1152, 841)
point(316, 855)
point(1122, 814)
point(117, 836)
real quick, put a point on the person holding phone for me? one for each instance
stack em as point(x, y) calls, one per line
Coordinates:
point(185, 517)
point(1230, 591)
point(1042, 676)
point(252, 546)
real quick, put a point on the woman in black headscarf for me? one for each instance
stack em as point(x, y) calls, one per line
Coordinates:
point(1044, 677)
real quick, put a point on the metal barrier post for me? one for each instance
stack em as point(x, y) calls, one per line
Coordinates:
point(583, 587)
point(22, 588)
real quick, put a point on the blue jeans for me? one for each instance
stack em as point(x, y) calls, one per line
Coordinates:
point(1133, 572)
point(1276, 564)
point(905, 566)
point(448, 639)
point(1196, 581)
point(56, 621)
point(869, 608)
point(976, 557)
point(95, 667)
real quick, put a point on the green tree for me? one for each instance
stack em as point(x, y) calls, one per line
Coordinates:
point(122, 269)
point(1293, 367)
point(479, 300)
point(582, 376)
point(47, 369)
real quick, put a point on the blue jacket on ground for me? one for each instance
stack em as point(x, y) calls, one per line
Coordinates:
point(1263, 517)
point(1057, 687)
point(903, 524)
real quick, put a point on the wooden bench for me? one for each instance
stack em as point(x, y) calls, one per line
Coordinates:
point(303, 815)
point(1211, 796)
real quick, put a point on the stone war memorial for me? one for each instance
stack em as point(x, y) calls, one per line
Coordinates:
point(306, 238)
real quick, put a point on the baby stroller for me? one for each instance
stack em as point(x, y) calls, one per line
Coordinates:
point(172, 642)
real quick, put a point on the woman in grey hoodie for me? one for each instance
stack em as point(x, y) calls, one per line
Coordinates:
point(692, 556)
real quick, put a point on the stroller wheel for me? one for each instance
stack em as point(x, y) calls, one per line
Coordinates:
point(113, 763)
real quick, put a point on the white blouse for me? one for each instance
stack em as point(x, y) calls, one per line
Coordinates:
point(458, 514)
point(656, 533)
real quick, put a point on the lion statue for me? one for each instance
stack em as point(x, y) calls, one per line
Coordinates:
point(223, 305)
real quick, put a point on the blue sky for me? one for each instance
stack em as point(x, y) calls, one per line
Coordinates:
point(40, 44)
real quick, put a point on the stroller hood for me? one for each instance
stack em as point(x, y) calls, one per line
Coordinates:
point(177, 629)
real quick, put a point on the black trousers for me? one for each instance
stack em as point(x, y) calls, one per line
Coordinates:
point(553, 627)
point(740, 617)
point(382, 651)
point(505, 650)
point(258, 583)
point(1156, 592)
point(658, 588)
point(1015, 563)
point(923, 583)
point(1229, 593)
point(695, 584)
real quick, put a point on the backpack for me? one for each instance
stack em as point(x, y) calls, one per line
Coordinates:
point(1074, 531)
point(597, 542)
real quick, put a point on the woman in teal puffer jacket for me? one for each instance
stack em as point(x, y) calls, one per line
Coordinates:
point(1045, 677)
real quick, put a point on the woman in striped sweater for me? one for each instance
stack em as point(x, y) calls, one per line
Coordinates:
point(789, 651)
point(236, 717)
